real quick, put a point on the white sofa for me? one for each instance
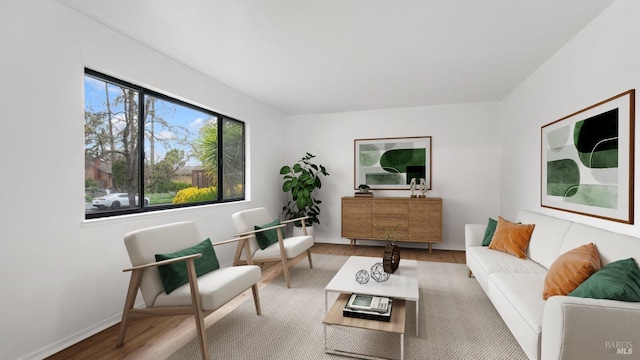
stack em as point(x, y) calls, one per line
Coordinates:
point(574, 328)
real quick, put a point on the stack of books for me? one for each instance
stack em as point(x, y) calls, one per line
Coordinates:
point(368, 307)
point(363, 194)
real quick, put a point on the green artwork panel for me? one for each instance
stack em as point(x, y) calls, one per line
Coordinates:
point(604, 196)
point(596, 140)
point(416, 171)
point(558, 138)
point(369, 155)
point(563, 177)
point(384, 179)
point(399, 159)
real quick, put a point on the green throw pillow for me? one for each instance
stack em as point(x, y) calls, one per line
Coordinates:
point(175, 275)
point(266, 238)
point(619, 280)
point(488, 234)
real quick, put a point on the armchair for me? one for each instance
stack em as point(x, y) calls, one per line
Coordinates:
point(283, 250)
point(200, 296)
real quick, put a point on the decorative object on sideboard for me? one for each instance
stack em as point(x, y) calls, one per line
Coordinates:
point(413, 187)
point(423, 188)
point(363, 191)
point(362, 277)
point(378, 272)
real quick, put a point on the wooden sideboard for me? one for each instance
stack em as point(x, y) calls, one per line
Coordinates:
point(417, 219)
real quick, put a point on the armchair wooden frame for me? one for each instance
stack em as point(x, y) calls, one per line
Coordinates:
point(196, 307)
point(283, 254)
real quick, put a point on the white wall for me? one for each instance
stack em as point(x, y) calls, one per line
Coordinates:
point(599, 62)
point(466, 159)
point(62, 277)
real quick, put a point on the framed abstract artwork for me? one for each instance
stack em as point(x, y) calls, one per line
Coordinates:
point(391, 163)
point(587, 160)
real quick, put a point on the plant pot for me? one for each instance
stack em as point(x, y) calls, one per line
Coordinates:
point(297, 231)
point(391, 258)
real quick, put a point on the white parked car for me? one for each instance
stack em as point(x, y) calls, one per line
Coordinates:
point(115, 201)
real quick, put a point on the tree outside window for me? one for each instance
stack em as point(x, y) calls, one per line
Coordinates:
point(167, 150)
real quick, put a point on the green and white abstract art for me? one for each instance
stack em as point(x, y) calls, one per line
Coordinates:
point(587, 160)
point(391, 163)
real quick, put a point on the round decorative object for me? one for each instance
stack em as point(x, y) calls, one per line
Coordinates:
point(378, 274)
point(391, 258)
point(362, 277)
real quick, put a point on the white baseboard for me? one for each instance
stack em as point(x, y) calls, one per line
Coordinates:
point(74, 338)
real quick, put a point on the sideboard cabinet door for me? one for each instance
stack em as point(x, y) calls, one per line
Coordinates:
point(356, 218)
point(425, 220)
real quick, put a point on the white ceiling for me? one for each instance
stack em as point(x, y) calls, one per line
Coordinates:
point(319, 56)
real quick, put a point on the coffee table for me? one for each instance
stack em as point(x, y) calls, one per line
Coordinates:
point(401, 286)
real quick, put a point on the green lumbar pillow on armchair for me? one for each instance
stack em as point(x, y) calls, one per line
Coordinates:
point(175, 275)
point(266, 238)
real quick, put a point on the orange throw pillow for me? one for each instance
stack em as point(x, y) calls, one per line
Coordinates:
point(570, 269)
point(512, 238)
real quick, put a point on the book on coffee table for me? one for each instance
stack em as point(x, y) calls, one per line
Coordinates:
point(360, 306)
point(368, 303)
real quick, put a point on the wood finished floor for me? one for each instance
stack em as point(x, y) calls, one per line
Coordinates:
point(159, 337)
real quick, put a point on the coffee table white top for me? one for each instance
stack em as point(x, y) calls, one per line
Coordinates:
point(402, 284)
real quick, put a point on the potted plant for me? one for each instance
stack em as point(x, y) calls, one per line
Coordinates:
point(301, 180)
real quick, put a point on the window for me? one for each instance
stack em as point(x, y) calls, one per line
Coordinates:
point(140, 144)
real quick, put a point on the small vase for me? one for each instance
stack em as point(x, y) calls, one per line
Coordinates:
point(391, 258)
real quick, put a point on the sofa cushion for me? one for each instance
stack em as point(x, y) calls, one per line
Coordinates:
point(570, 270)
point(512, 238)
point(619, 280)
point(483, 262)
point(548, 237)
point(516, 297)
point(488, 233)
point(611, 246)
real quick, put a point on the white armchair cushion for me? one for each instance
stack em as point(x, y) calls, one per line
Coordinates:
point(216, 288)
point(293, 247)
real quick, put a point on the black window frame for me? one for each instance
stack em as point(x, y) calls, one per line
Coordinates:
point(221, 119)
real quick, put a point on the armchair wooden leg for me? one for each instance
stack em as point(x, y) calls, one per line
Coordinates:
point(132, 292)
point(285, 266)
point(469, 274)
point(202, 335)
point(309, 257)
point(256, 298)
point(197, 309)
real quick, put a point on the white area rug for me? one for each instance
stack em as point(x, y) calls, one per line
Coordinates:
point(457, 321)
